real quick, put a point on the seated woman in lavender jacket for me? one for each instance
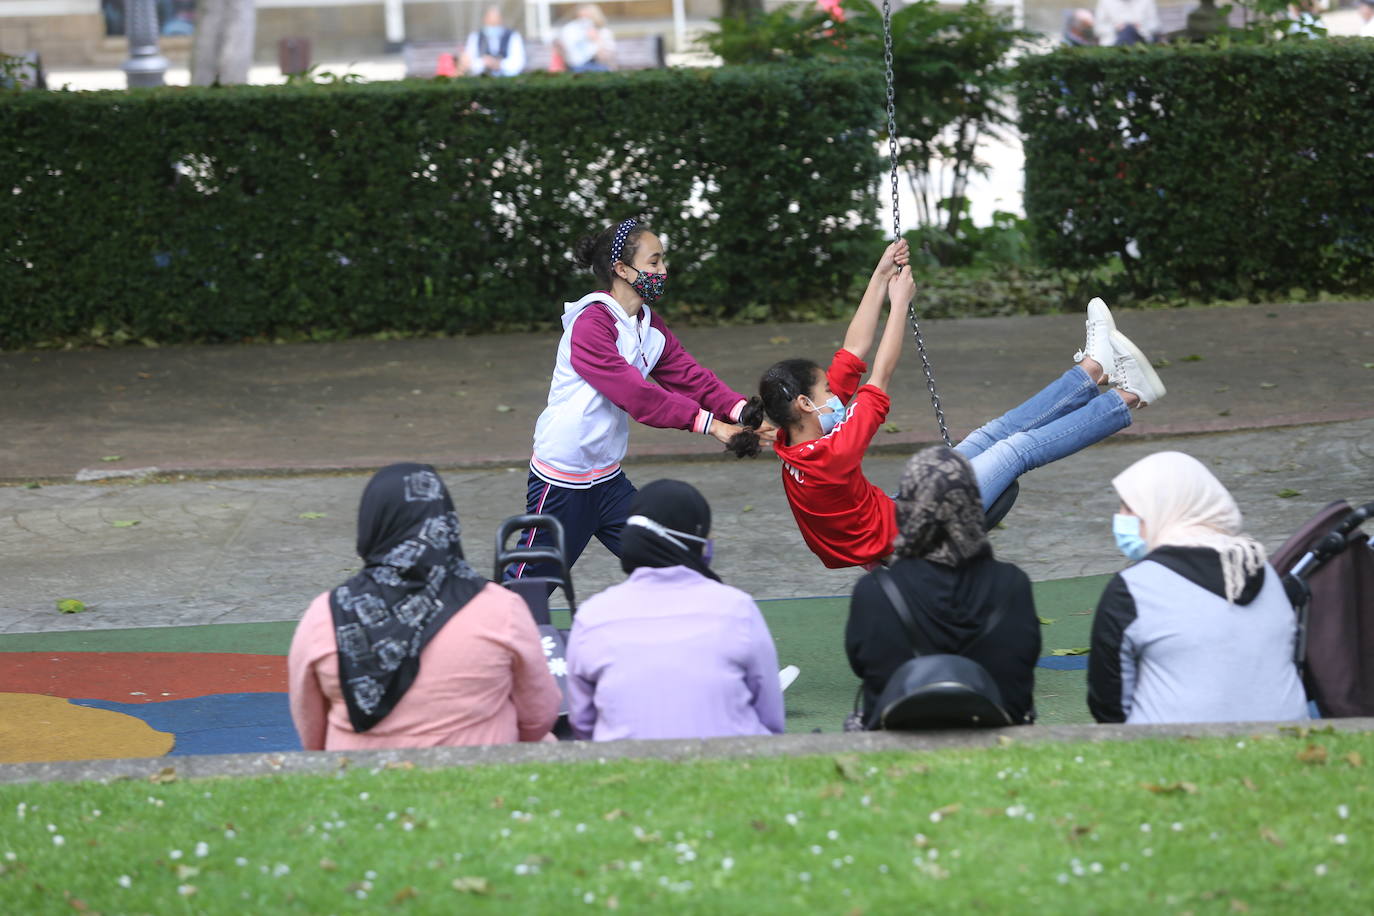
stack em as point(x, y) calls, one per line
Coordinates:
point(672, 652)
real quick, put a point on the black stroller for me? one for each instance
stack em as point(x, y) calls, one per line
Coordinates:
point(1328, 572)
point(536, 589)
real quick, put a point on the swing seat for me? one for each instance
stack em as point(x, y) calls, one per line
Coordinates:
point(1001, 506)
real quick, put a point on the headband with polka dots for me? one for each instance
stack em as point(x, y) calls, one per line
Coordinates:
point(622, 232)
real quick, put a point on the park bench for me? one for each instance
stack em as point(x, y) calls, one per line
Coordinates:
point(640, 52)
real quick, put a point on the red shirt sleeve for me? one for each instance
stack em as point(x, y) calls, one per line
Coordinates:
point(851, 438)
point(596, 358)
point(844, 373)
point(677, 370)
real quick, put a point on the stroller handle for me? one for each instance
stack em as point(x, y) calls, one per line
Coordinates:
point(1355, 519)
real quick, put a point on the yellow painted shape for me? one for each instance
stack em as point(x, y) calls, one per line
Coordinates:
point(36, 728)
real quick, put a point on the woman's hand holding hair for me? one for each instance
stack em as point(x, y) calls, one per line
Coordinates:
point(722, 431)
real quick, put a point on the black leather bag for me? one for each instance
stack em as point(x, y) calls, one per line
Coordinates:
point(936, 690)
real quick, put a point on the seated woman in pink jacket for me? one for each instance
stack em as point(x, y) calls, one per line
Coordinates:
point(417, 649)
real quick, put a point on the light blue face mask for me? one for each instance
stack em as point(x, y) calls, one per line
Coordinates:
point(830, 420)
point(1126, 530)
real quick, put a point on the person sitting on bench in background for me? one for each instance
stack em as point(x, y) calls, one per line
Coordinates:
point(494, 49)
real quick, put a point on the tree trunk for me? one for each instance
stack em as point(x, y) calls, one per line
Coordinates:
point(223, 48)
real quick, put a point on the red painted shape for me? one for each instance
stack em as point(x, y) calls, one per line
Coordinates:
point(140, 677)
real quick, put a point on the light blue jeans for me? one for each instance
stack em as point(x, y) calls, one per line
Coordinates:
point(1066, 416)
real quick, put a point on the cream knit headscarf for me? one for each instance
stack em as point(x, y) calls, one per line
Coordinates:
point(1182, 504)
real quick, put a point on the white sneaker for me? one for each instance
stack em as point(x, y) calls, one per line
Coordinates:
point(1098, 346)
point(1132, 371)
point(787, 675)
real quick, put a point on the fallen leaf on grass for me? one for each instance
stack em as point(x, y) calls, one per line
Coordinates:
point(398, 765)
point(1170, 788)
point(1314, 754)
point(949, 809)
point(1046, 621)
point(164, 775)
point(1286, 493)
point(312, 515)
point(1354, 759)
point(1249, 784)
point(404, 894)
point(124, 523)
point(329, 865)
point(849, 767)
point(186, 871)
point(760, 826)
point(70, 605)
point(1239, 906)
point(1080, 650)
point(471, 885)
point(1005, 740)
point(614, 814)
point(1269, 836)
point(1302, 732)
point(832, 790)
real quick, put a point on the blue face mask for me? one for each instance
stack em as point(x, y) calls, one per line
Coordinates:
point(1126, 530)
point(830, 420)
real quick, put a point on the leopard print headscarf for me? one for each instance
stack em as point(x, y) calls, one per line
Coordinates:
point(939, 509)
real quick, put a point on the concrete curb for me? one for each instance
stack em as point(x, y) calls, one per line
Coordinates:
point(212, 766)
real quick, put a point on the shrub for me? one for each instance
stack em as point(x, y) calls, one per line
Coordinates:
point(1211, 172)
point(180, 214)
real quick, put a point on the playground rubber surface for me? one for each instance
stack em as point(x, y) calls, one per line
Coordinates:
point(221, 688)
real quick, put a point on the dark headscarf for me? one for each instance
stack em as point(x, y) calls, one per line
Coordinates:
point(940, 510)
point(678, 507)
point(414, 578)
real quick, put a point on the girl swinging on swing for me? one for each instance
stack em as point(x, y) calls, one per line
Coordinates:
point(825, 420)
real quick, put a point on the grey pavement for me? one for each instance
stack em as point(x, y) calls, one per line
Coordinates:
point(252, 441)
point(238, 550)
point(472, 401)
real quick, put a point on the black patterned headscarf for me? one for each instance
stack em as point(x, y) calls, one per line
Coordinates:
point(414, 578)
point(940, 510)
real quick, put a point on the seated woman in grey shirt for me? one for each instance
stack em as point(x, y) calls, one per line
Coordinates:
point(1199, 629)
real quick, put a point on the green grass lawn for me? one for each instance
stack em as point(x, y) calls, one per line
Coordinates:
point(1278, 823)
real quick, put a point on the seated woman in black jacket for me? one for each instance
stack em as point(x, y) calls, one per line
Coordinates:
point(944, 568)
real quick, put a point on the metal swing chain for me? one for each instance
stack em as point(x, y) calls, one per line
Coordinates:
point(897, 215)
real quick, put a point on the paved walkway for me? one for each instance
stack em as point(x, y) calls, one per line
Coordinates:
point(252, 429)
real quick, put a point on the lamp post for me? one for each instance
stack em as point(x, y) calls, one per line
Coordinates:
point(146, 66)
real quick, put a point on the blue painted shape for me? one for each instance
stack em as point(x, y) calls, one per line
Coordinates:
point(1064, 662)
point(221, 723)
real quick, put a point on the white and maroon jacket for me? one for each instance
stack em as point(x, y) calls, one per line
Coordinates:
point(601, 379)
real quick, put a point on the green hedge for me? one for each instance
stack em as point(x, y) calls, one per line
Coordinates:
point(1235, 172)
point(181, 214)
